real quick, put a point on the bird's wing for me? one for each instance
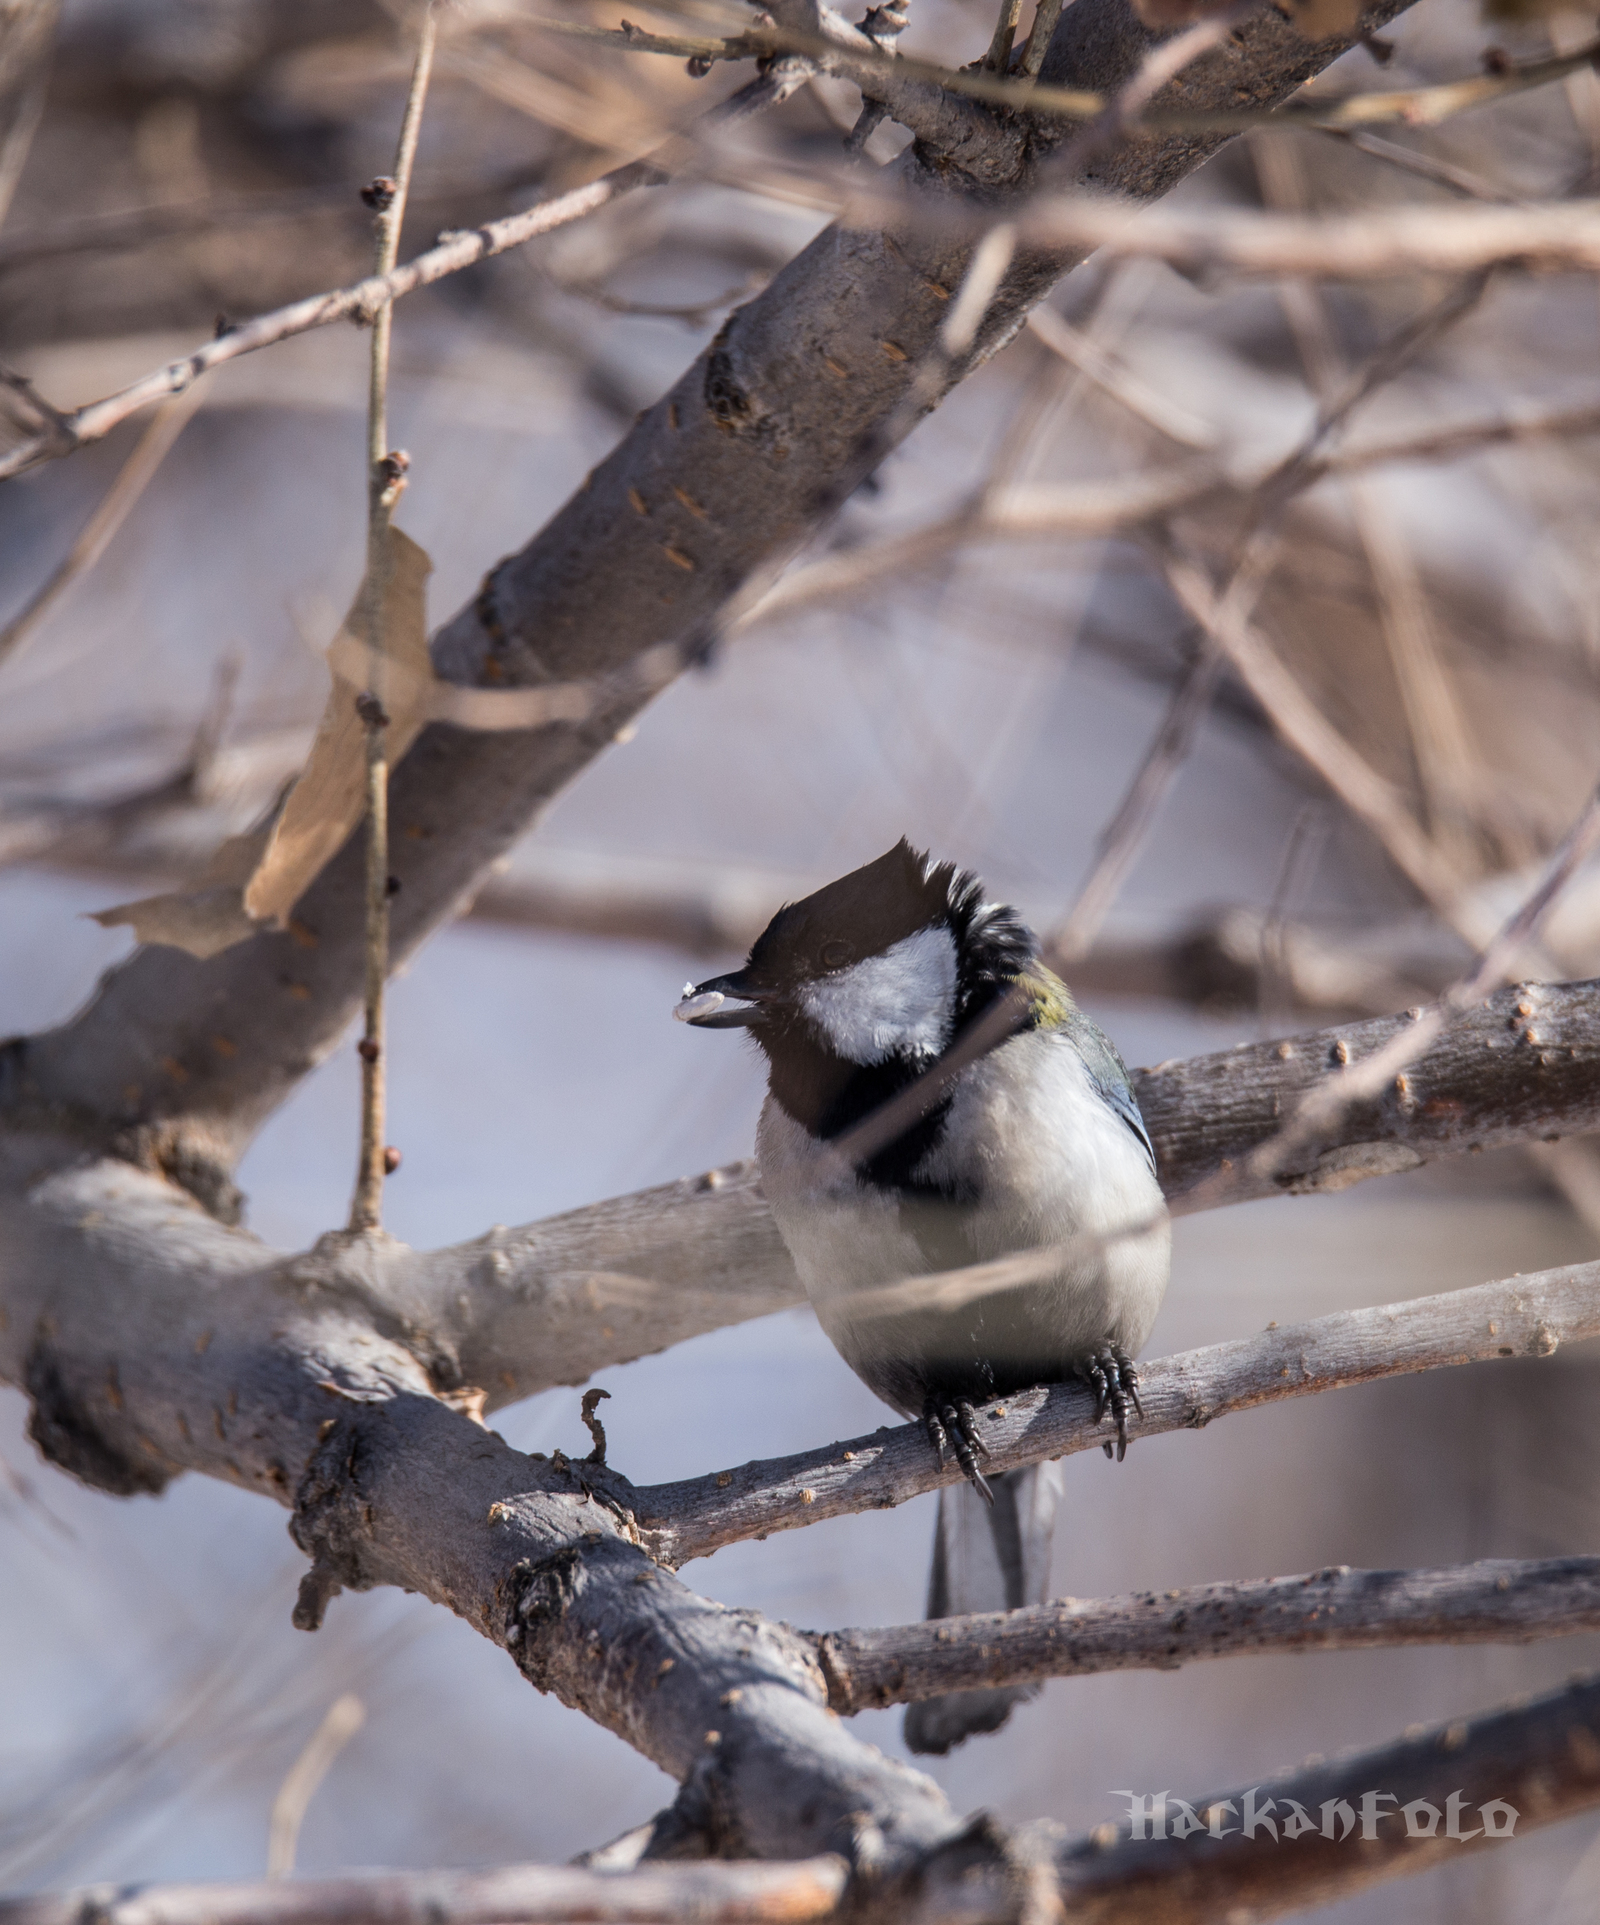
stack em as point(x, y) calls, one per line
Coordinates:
point(1109, 1076)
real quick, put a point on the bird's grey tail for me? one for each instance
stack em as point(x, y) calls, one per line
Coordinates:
point(986, 1560)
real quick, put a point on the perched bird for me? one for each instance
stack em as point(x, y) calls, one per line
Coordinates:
point(854, 995)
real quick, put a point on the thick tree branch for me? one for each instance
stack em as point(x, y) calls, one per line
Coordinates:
point(723, 479)
point(153, 1340)
point(1525, 1063)
point(1255, 1852)
point(553, 1302)
point(1497, 1601)
point(519, 1310)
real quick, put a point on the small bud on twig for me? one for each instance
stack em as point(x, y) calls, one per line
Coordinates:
point(391, 886)
point(371, 711)
point(391, 475)
point(1496, 60)
point(368, 1050)
point(378, 194)
point(391, 1160)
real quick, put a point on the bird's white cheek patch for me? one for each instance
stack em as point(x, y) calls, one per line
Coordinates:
point(901, 1000)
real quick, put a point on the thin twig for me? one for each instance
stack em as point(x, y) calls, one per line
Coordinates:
point(1082, 352)
point(1499, 958)
point(1410, 160)
point(1045, 21)
point(1368, 796)
point(385, 481)
point(344, 1718)
point(1438, 729)
point(135, 475)
point(452, 253)
point(854, 52)
point(998, 59)
point(1091, 510)
point(1403, 241)
point(18, 141)
point(1124, 836)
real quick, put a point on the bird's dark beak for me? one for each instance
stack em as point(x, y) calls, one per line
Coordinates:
point(726, 1002)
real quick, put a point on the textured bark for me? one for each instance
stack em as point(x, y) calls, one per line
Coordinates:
point(1497, 1601)
point(518, 1310)
point(154, 1339)
point(766, 440)
point(347, 1382)
point(1542, 1760)
point(1525, 1063)
point(553, 1302)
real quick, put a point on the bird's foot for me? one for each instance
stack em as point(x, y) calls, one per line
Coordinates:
point(952, 1421)
point(1116, 1386)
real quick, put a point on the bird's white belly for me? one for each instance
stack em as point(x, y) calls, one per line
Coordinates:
point(1045, 1159)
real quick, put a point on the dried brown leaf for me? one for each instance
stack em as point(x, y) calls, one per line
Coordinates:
point(255, 880)
point(203, 921)
point(329, 798)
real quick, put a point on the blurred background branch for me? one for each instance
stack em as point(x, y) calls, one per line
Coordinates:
point(979, 650)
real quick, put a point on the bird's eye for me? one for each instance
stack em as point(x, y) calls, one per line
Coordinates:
point(835, 954)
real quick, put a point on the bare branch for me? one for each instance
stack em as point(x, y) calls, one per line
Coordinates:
point(760, 445)
point(385, 479)
point(1123, 504)
point(135, 475)
point(367, 298)
point(450, 256)
point(1482, 1084)
point(1525, 1316)
point(1367, 795)
point(1412, 160)
point(728, 1893)
point(1376, 244)
point(1542, 1759)
point(1497, 1601)
point(1083, 352)
point(165, 1315)
point(853, 56)
point(1123, 836)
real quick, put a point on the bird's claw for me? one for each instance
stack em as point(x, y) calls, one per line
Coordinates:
point(1115, 1383)
point(952, 1421)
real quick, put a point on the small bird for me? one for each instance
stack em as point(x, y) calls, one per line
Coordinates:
point(854, 995)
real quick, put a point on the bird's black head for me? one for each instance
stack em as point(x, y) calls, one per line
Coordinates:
point(885, 964)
